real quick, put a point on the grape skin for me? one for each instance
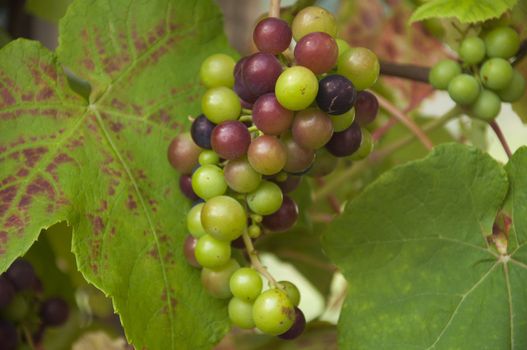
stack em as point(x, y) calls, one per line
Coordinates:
point(272, 35)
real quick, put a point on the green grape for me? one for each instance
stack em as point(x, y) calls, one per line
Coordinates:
point(241, 313)
point(254, 231)
point(342, 45)
point(217, 70)
point(246, 284)
point(313, 19)
point(224, 218)
point(296, 88)
point(208, 181)
point(366, 146)
point(266, 199)
point(240, 175)
point(325, 163)
point(472, 50)
point(502, 42)
point(464, 89)
point(292, 292)
point(487, 106)
point(216, 281)
point(208, 157)
point(496, 73)
point(211, 252)
point(220, 104)
point(343, 121)
point(443, 72)
point(515, 90)
point(360, 65)
point(194, 221)
point(273, 312)
point(17, 310)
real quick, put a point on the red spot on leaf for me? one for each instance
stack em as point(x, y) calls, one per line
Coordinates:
point(131, 204)
point(7, 98)
point(6, 197)
point(33, 155)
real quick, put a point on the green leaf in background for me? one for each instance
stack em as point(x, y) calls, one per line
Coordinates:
point(50, 10)
point(421, 272)
point(467, 11)
point(102, 166)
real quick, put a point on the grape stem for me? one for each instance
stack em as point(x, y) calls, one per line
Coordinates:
point(29, 338)
point(255, 261)
point(274, 9)
point(497, 130)
point(406, 71)
point(409, 123)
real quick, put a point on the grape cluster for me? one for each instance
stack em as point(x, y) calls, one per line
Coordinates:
point(267, 120)
point(485, 78)
point(22, 307)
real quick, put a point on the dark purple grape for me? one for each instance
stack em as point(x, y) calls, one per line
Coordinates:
point(201, 130)
point(183, 153)
point(336, 94)
point(297, 328)
point(312, 128)
point(256, 76)
point(284, 218)
point(185, 186)
point(54, 312)
point(290, 184)
point(299, 159)
point(7, 291)
point(8, 336)
point(231, 139)
point(238, 243)
point(366, 108)
point(345, 143)
point(270, 117)
point(21, 274)
point(272, 35)
point(317, 51)
point(188, 249)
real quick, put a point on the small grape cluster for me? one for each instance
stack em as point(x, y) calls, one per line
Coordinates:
point(267, 120)
point(24, 313)
point(485, 78)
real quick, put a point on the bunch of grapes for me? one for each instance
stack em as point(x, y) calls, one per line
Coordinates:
point(267, 120)
point(23, 311)
point(485, 78)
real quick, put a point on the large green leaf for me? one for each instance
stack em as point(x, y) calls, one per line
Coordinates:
point(102, 165)
point(421, 272)
point(467, 11)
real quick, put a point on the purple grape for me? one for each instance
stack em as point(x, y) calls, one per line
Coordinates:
point(290, 184)
point(272, 35)
point(7, 291)
point(231, 139)
point(345, 143)
point(312, 128)
point(201, 130)
point(299, 159)
point(54, 312)
point(270, 117)
point(8, 336)
point(317, 51)
point(256, 75)
point(284, 218)
point(183, 153)
point(238, 243)
point(188, 250)
point(336, 94)
point(366, 108)
point(21, 274)
point(185, 186)
point(297, 328)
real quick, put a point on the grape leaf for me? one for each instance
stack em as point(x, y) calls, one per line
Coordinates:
point(101, 165)
point(421, 272)
point(467, 11)
point(50, 10)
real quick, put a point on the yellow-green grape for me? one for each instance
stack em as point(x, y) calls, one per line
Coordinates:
point(246, 284)
point(342, 45)
point(273, 312)
point(487, 105)
point(208, 181)
point(254, 231)
point(220, 104)
point(343, 121)
point(217, 70)
point(211, 252)
point(194, 221)
point(296, 88)
point(241, 313)
point(313, 19)
point(292, 292)
point(366, 146)
point(224, 218)
point(216, 281)
point(360, 65)
point(266, 199)
point(208, 157)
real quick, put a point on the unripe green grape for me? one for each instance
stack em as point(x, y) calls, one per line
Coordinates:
point(194, 221)
point(313, 19)
point(224, 218)
point(216, 281)
point(487, 106)
point(442, 73)
point(217, 70)
point(464, 89)
point(515, 90)
point(17, 310)
point(266, 199)
point(254, 231)
point(502, 42)
point(246, 284)
point(296, 88)
point(240, 175)
point(273, 312)
point(366, 146)
point(208, 181)
point(211, 252)
point(342, 45)
point(343, 121)
point(360, 65)
point(325, 163)
point(292, 292)
point(472, 50)
point(256, 217)
point(208, 157)
point(496, 73)
point(220, 104)
point(241, 313)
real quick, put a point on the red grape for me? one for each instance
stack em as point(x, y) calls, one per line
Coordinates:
point(317, 51)
point(270, 117)
point(230, 139)
point(272, 35)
